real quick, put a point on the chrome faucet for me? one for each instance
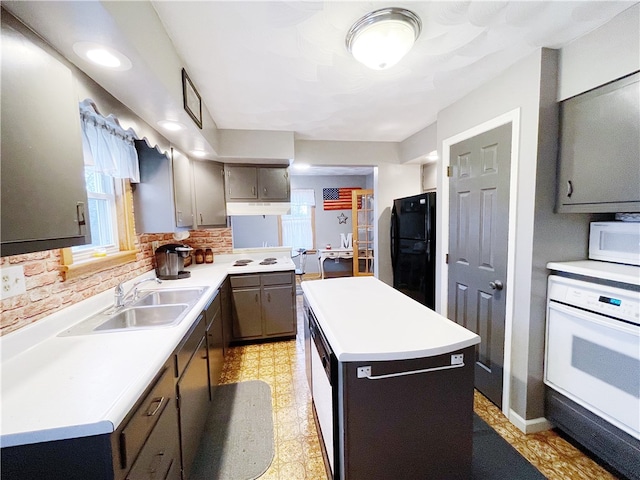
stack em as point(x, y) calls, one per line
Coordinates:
point(120, 298)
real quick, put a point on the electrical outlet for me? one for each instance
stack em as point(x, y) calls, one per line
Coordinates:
point(154, 245)
point(364, 372)
point(12, 281)
point(457, 359)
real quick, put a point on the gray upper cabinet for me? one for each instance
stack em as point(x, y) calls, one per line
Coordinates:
point(208, 181)
point(263, 183)
point(182, 189)
point(162, 200)
point(273, 183)
point(599, 169)
point(43, 189)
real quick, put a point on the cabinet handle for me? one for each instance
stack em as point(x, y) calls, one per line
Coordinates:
point(201, 221)
point(158, 402)
point(82, 222)
point(156, 462)
point(264, 190)
point(269, 297)
point(256, 298)
point(569, 188)
point(253, 190)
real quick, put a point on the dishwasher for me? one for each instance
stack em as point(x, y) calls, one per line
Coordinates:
point(323, 370)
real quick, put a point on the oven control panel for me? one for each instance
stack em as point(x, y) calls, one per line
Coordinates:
point(603, 299)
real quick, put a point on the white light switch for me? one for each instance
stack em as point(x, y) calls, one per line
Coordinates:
point(12, 281)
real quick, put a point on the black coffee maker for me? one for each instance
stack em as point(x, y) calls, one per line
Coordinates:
point(170, 261)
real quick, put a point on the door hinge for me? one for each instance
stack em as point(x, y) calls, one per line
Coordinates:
point(449, 171)
point(446, 259)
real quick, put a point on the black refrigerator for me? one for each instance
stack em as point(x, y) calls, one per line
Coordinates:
point(413, 247)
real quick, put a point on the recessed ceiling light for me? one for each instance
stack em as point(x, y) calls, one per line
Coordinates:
point(198, 153)
point(170, 125)
point(432, 156)
point(103, 56)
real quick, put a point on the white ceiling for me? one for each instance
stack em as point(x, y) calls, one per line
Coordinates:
point(283, 65)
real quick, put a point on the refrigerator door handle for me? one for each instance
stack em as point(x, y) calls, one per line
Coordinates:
point(393, 240)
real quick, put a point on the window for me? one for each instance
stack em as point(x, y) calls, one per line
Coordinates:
point(298, 228)
point(102, 216)
point(110, 164)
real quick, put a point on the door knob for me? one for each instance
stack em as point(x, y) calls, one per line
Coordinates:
point(497, 285)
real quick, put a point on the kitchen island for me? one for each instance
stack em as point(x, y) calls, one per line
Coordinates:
point(391, 381)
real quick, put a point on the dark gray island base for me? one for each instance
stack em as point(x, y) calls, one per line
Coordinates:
point(410, 426)
point(392, 393)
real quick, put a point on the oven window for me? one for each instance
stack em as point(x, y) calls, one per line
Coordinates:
point(614, 368)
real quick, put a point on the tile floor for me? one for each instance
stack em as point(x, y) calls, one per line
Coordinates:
point(297, 449)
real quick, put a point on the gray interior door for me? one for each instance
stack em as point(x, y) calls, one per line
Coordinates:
point(478, 231)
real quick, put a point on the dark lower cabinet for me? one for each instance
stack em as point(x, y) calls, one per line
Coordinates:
point(263, 306)
point(192, 393)
point(160, 455)
point(215, 341)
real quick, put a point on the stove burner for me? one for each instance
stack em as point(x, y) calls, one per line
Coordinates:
point(270, 262)
point(245, 260)
point(270, 259)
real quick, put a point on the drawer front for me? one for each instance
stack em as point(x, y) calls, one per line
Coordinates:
point(145, 417)
point(277, 278)
point(189, 345)
point(159, 458)
point(241, 281)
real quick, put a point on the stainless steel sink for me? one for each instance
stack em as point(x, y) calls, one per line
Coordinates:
point(170, 296)
point(154, 309)
point(144, 317)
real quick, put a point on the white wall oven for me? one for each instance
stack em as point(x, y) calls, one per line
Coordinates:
point(592, 360)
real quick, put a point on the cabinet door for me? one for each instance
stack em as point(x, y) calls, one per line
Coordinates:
point(277, 310)
point(241, 182)
point(182, 189)
point(600, 150)
point(247, 321)
point(273, 183)
point(215, 342)
point(193, 404)
point(208, 180)
point(42, 169)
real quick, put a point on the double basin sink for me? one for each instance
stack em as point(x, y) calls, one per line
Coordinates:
point(153, 308)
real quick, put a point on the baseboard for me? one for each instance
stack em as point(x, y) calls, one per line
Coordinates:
point(533, 425)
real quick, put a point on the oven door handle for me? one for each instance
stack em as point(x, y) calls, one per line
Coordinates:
point(596, 318)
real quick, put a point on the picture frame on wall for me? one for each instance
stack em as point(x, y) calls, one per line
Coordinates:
point(191, 99)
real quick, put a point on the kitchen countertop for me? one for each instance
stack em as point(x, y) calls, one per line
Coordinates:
point(365, 319)
point(615, 272)
point(58, 387)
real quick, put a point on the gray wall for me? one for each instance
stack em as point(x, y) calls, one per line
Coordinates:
point(533, 86)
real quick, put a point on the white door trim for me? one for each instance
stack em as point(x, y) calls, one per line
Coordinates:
point(442, 279)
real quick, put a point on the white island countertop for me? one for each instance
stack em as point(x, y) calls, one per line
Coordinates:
point(59, 387)
point(365, 319)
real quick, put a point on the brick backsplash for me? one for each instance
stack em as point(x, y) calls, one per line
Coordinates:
point(47, 291)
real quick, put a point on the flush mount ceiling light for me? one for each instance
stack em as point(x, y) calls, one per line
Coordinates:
point(381, 38)
point(103, 56)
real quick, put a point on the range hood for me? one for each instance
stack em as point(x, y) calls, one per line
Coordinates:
point(258, 208)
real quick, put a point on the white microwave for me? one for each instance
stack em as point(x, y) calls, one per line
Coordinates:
point(617, 242)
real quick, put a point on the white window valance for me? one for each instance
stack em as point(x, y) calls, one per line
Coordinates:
point(303, 197)
point(107, 146)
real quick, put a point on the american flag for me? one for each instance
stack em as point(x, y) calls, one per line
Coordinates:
point(337, 198)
